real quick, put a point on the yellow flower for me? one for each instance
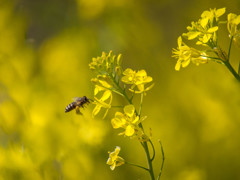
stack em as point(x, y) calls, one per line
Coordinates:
point(213, 14)
point(114, 160)
point(185, 55)
point(101, 103)
point(233, 21)
point(137, 79)
point(202, 31)
point(206, 27)
point(128, 121)
point(102, 94)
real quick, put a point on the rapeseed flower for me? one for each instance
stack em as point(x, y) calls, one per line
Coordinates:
point(129, 121)
point(114, 160)
point(205, 28)
point(186, 54)
point(232, 23)
point(137, 79)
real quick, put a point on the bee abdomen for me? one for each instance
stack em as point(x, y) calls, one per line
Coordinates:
point(70, 107)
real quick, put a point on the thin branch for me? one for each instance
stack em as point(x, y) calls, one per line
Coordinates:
point(140, 107)
point(163, 159)
point(230, 47)
point(117, 106)
point(137, 166)
point(153, 150)
point(150, 167)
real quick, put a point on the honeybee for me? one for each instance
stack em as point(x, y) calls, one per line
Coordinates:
point(78, 102)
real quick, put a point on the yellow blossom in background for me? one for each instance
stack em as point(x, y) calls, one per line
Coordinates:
point(186, 54)
point(232, 23)
point(137, 79)
point(114, 160)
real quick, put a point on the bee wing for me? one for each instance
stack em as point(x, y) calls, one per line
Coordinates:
point(77, 99)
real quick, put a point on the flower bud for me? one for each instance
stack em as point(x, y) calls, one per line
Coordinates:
point(118, 70)
point(119, 60)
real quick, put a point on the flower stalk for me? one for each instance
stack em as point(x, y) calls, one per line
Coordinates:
point(111, 79)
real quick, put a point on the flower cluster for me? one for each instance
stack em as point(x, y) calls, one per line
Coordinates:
point(111, 79)
point(205, 32)
point(233, 22)
point(137, 79)
point(108, 69)
point(205, 28)
point(107, 64)
point(129, 121)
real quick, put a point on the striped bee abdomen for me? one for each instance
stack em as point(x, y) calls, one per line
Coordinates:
point(70, 107)
point(79, 102)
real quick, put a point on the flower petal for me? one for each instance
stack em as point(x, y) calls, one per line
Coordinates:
point(220, 12)
point(128, 71)
point(96, 110)
point(193, 35)
point(106, 95)
point(213, 29)
point(129, 130)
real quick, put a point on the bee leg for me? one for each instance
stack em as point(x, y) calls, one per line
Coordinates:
point(77, 110)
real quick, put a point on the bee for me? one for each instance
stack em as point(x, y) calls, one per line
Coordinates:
point(78, 102)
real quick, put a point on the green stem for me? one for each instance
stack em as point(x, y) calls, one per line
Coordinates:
point(122, 92)
point(137, 166)
point(212, 58)
point(141, 102)
point(226, 61)
point(112, 90)
point(150, 167)
point(230, 68)
point(163, 159)
point(144, 144)
point(222, 22)
point(230, 47)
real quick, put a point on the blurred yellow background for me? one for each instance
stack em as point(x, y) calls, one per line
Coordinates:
point(45, 49)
